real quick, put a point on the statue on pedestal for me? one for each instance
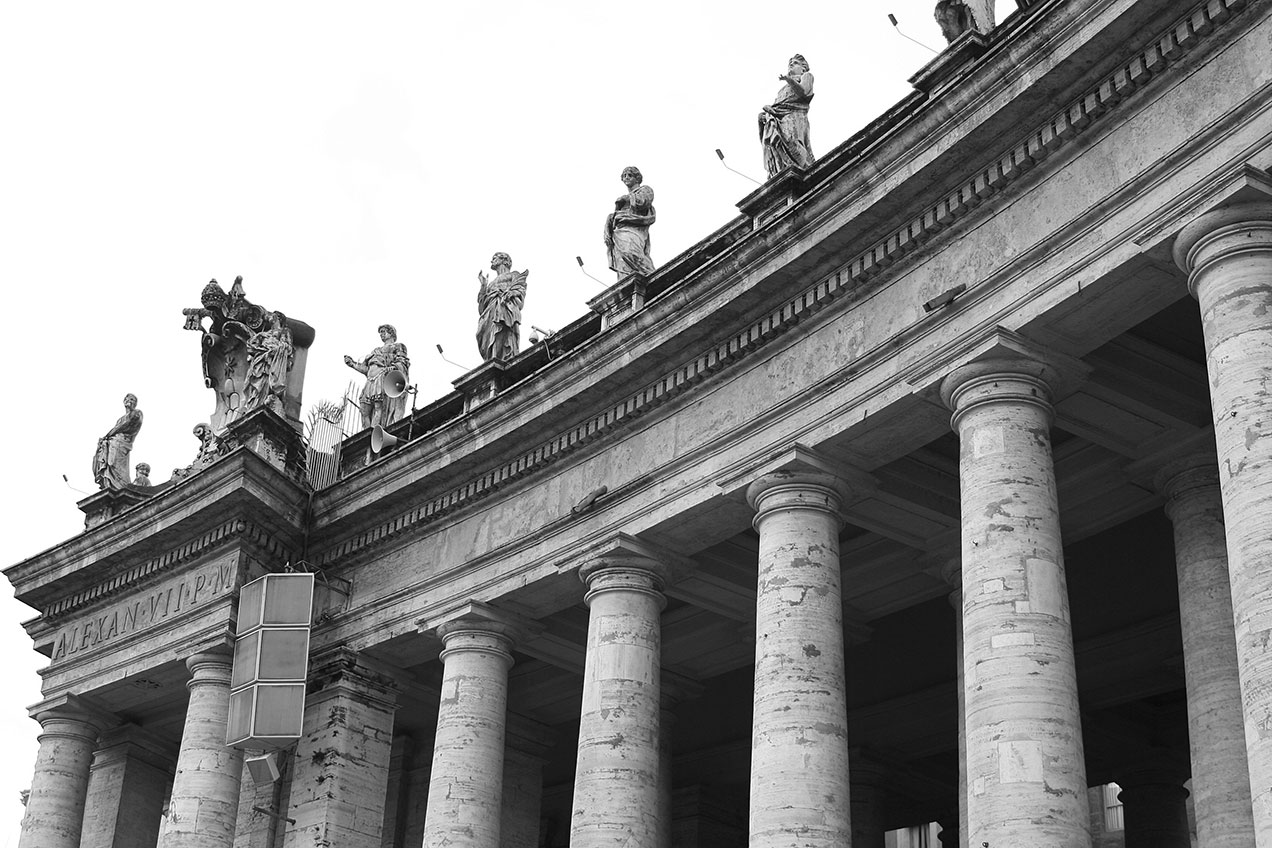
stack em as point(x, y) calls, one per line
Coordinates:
point(627, 227)
point(956, 17)
point(784, 125)
point(499, 302)
point(375, 404)
point(253, 358)
point(110, 462)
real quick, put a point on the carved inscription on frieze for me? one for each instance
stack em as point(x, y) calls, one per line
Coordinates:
point(173, 597)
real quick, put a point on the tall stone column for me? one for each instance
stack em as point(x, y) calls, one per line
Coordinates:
point(674, 689)
point(528, 743)
point(205, 791)
point(799, 730)
point(616, 777)
point(1025, 770)
point(1228, 256)
point(1216, 733)
point(465, 792)
point(1153, 807)
point(869, 797)
point(127, 784)
point(340, 770)
point(951, 832)
point(55, 808)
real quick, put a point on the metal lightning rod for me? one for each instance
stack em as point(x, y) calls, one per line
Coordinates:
point(720, 154)
point(579, 259)
point(893, 18)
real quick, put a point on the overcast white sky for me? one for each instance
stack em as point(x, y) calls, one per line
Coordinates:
point(357, 164)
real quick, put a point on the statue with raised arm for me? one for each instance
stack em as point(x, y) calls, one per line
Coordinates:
point(784, 125)
point(627, 227)
point(499, 302)
point(110, 462)
point(375, 404)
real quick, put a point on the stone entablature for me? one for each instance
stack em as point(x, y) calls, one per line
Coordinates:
point(143, 610)
point(876, 264)
point(853, 363)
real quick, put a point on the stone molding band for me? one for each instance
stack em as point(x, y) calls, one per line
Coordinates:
point(1066, 125)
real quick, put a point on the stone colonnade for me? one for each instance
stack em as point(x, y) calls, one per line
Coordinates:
point(1227, 254)
point(1021, 736)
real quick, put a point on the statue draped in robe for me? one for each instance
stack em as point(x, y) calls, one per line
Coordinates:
point(111, 468)
point(784, 125)
point(627, 227)
point(499, 302)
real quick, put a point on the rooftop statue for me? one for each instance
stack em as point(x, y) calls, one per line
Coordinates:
point(956, 17)
point(627, 227)
point(253, 358)
point(784, 125)
point(143, 474)
point(110, 462)
point(499, 301)
point(270, 355)
point(375, 403)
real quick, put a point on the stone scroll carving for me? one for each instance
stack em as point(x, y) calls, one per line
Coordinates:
point(627, 227)
point(784, 125)
point(253, 358)
point(499, 302)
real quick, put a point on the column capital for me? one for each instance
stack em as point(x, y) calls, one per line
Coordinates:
point(343, 669)
point(1223, 232)
point(796, 489)
point(71, 716)
point(1005, 380)
point(209, 668)
point(618, 571)
point(1188, 476)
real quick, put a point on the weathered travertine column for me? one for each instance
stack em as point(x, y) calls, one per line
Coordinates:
point(527, 745)
point(953, 574)
point(1220, 779)
point(1228, 256)
point(616, 777)
point(55, 808)
point(1153, 808)
point(340, 770)
point(799, 729)
point(205, 790)
point(869, 797)
point(465, 792)
point(1025, 770)
point(126, 787)
point(674, 688)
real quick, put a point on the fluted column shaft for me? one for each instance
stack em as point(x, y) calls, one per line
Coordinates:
point(54, 814)
point(1220, 780)
point(1228, 254)
point(1025, 770)
point(465, 791)
point(799, 732)
point(205, 791)
point(616, 777)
